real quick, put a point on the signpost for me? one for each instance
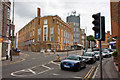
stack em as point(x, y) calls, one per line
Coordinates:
point(1, 40)
point(76, 46)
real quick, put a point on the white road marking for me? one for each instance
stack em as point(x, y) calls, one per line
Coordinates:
point(77, 77)
point(45, 71)
point(32, 71)
point(46, 67)
point(55, 74)
point(55, 63)
point(95, 72)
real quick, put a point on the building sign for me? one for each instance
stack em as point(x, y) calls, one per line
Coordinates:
point(1, 40)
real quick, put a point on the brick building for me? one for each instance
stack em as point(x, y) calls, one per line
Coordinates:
point(105, 44)
point(48, 32)
point(5, 23)
point(115, 24)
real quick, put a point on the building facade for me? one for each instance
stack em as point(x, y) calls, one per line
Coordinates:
point(83, 37)
point(75, 20)
point(48, 32)
point(115, 25)
point(5, 12)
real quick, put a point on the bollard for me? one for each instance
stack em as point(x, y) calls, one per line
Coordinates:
point(48, 52)
point(58, 57)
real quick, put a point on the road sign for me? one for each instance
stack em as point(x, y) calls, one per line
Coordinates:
point(75, 43)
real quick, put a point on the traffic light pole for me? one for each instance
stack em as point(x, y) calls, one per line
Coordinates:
point(100, 60)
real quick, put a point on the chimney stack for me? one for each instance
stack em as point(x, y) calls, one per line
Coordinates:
point(38, 12)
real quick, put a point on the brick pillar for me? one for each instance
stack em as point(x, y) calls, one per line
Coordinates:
point(118, 37)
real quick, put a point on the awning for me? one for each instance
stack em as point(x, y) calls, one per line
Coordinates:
point(111, 43)
point(79, 45)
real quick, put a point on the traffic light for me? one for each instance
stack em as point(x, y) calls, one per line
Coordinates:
point(97, 24)
point(102, 28)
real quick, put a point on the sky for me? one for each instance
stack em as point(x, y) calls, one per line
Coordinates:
point(26, 10)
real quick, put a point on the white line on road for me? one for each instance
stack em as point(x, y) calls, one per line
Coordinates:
point(95, 72)
point(46, 67)
point(32, 71)
point(78, 77)
point(55, 63)
point(45, 71)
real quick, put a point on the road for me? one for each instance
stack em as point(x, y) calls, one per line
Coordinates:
point(39, 65)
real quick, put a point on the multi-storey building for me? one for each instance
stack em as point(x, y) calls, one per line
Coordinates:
point(75, 20)
point(48, 32)
point(4, 30)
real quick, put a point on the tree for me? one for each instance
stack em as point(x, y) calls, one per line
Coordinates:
point(91, 38)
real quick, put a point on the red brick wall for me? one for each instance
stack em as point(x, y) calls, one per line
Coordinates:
point(114, 18)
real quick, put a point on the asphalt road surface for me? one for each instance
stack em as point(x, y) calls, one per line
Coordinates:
point(39, 65)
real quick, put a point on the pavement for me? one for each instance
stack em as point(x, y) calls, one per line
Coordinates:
point(108, 70)
point(15, 59)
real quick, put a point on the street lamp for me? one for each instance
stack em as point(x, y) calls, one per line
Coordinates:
point(12, 33)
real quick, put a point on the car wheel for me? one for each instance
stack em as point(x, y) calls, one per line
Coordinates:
point(85, 65)
point(79, 67)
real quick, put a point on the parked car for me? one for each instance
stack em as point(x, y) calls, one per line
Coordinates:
point(17, 50)
point(89, 50)
point(108, 51)
point(105, 54)
point(97, 55)
point(73, 62)
point(42, 51)
point(90, 57)
point(95, 49)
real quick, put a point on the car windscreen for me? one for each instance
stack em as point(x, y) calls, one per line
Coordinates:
point(87, 54)
point(73, 58)
point(96, 52)
point(105, 52)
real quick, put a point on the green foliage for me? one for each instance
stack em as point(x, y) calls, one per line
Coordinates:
point(115, 53)
point(91, 38)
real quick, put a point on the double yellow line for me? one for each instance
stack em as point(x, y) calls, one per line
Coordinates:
point(89, 73)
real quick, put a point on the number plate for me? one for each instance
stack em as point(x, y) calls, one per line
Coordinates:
point(66, 66)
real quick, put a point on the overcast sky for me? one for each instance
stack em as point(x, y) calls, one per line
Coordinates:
point(26, 10)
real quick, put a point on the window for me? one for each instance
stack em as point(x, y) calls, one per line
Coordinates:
point(58, 30)
point(7, 32)
point(45, 39)
point(8, 14)
point(33, 32)
point(57, 22)
point(51, 38)
point(61, 39)
point(33, 40)
point(53, 21)
point(39, 31)
point(39, 21)
point(58, 39)
point(45, 30)
point(45, 21)
point(61, 32)
point(64, 33)
point(38, 38)
point(51, 30)
point(103, 41)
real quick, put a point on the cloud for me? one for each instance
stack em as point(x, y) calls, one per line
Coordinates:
point(25, 10)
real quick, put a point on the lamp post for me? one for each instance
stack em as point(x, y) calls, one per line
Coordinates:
point(12, 33)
